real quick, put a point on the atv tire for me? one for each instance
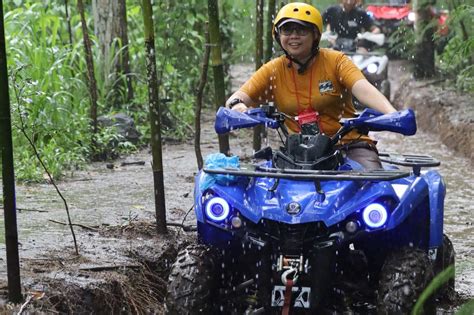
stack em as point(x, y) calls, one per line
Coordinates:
point(192, 283)
point(445, 258)
point(403, 277)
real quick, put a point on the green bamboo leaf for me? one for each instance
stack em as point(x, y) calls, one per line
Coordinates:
point(442, 278)
point(467, 308)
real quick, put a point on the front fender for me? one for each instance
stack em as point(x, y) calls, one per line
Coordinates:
point(437, 192)
point(431, 185)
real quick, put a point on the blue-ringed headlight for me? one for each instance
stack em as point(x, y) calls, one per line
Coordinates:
point(375, 215)
point(217, 209)
point(372, 68)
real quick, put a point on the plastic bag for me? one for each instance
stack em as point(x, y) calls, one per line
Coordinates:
point(219, 160)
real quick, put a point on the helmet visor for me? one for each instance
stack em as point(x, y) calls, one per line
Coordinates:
point(308, 27)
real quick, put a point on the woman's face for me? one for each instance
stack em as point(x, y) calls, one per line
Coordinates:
point(297, 40)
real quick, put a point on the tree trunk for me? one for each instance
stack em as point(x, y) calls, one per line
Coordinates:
point(154, 106)
point(68, 21)
point(258, 130)
point(199, 93)
point(110, 27)
point(90, 73)
point(217, 66)
point(424, 42)
point(268, 33)
point(8, 176)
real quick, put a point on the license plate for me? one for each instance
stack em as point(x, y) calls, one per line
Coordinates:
point(302, 296)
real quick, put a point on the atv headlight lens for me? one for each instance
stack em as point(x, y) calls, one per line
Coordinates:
point(372, 68)
point(412, 16)
point(375, 215)
point(217, 209)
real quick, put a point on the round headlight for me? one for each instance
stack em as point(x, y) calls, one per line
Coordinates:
point(412, 16)
point(217, 209)
point(372, 68)
point(375, 215)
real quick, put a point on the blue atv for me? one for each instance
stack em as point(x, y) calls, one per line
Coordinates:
point(307, 230)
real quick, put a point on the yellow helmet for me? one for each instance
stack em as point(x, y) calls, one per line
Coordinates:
point(299, 11)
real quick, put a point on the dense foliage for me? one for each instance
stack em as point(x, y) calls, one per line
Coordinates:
point(456, 60)
point(49, 97)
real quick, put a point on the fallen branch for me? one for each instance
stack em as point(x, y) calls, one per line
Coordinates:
point(28, 210)
point(24, 305)
point(31, 210)
point(107, 268)
point(186, 228)
point(132, 163)
point(90, 228)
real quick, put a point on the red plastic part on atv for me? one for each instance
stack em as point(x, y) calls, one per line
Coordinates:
point(389, 12)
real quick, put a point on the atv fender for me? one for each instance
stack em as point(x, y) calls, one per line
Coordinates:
point(437, 191)
point(431, 185)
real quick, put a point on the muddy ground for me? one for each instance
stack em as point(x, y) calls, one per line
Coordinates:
point(122, 264)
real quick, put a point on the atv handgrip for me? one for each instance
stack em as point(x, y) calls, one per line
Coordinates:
point(402, 122)
point(228, 120)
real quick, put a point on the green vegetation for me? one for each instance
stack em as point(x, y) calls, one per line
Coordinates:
point(49, 96)
point(456, 60)
point(438, 281)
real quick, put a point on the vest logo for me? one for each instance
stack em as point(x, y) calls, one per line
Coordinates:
point(352, 23)
point(325, 86)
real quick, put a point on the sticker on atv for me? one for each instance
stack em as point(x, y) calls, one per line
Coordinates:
point(302, 300)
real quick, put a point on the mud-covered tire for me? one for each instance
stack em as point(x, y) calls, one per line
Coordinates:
point(192, 283)
point(445, 258)
point(403, 277)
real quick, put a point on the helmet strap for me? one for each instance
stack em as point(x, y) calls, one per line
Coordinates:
point(303, 66)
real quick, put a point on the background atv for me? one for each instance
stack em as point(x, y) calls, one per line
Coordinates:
point(373, 64)
point(307, 229)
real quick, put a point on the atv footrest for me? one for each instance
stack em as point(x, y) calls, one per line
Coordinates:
point(409, 160)
point(313, 175)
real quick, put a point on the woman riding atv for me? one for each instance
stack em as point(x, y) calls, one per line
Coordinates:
point(312, 79)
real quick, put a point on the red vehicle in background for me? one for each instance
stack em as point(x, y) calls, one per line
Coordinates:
point(391, 14)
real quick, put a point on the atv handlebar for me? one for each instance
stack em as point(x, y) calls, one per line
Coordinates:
point(402, 122)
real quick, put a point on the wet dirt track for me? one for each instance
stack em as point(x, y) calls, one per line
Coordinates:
point(100, 197)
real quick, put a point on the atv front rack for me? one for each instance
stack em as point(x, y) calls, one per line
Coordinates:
point(411, 160)
point(312, 175)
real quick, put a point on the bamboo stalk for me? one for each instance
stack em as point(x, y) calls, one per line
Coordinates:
point(217, 66)
point(154, 116)
point(8, 176)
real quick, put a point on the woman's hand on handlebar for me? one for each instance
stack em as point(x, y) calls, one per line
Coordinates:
point(240, 101)
point(240, 107)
